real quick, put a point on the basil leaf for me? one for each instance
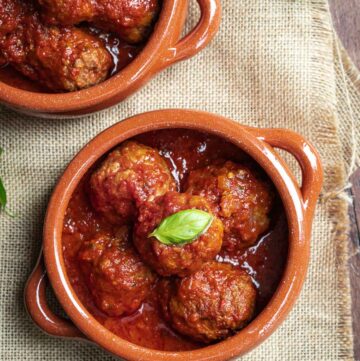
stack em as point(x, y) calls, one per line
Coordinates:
point(3, 197)
point(182, 227)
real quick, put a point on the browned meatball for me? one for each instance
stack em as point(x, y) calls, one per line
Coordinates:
point(175, 259)
point(211, 303)
point(238, 198)
point(117, 278)
point(130, 19)
point(130, 175)
point(61, 58)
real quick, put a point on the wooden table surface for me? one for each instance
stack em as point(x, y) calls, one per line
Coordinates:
point(346, 18)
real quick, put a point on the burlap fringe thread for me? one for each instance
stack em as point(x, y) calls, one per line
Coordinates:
point(337, 178)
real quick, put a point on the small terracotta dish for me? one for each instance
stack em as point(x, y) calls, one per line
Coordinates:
point(162, 50)
point(298, 202)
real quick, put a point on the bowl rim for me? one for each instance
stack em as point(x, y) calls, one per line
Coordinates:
point(299, 230)
point(166, 32)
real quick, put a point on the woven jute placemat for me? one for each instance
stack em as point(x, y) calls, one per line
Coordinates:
point(273, 64)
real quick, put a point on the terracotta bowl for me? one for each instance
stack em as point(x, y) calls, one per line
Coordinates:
point(299, 203)
point(162, 50)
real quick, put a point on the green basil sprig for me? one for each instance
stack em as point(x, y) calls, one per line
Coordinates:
point(182, 227)
point(3, 196)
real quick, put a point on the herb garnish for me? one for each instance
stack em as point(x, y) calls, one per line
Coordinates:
point(182, 227)
point(3, 195)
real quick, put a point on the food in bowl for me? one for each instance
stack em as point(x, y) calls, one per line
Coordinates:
point(168, 259)
point(179, 281)
point(131, 174)
point(238, 197)
point(63, 57)
point(117, 278)
point(130, 20)
point(211, 303)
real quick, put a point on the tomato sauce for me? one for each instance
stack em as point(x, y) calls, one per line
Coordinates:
point(122, 54)
point(184, 151)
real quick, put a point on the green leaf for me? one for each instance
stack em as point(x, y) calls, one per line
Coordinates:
point(182, 227)
point(3, 197)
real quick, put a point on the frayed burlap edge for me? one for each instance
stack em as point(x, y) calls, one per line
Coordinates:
point(338, 209)
point(348, 83)
point(335, 176)
point(351, 69)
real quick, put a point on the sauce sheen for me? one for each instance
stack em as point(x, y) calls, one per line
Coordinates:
point(183, 151)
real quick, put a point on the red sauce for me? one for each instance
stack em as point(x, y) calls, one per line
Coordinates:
point(121, 52)
point(184, 151)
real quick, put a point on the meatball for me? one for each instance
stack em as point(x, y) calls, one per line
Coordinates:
point(240, 199)
point(117, 278)
point(61, 58)
point(178, 260)
point(211, 303)
point(130, 175)
point(11, 13)
point(131, 20)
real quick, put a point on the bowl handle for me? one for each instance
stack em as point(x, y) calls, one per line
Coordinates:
point(307, 157)
point(199, 37)
point(37, 308)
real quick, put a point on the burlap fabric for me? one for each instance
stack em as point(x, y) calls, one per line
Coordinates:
point(273, 64)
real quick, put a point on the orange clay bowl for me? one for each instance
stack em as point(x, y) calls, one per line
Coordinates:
point(299, 203)
point(162, 50)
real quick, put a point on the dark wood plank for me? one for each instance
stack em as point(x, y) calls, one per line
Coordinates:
point(355, 180)
point(354, 260)
point(346, 18)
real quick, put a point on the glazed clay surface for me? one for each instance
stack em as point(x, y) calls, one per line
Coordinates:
point(299, 203)
point(162, 50)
